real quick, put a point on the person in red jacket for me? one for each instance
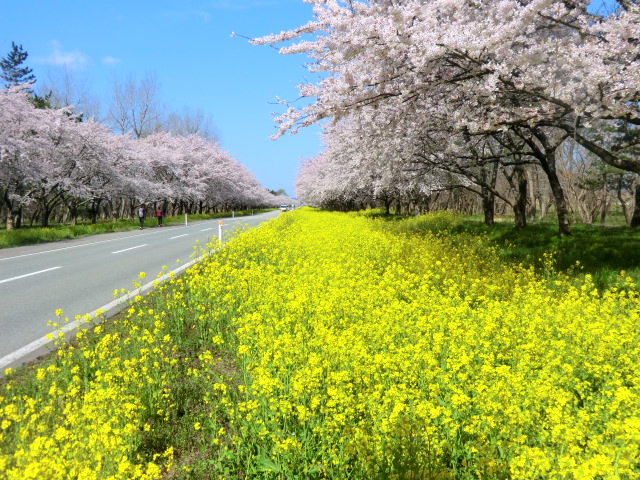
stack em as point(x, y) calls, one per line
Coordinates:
point(159, 215)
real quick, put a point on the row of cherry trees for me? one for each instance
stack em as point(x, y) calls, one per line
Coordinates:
point(420, 96)
point(52, 161)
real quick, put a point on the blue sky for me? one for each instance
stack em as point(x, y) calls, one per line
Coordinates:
point(187, 45)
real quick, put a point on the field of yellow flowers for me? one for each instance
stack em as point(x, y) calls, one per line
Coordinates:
point(341, 346)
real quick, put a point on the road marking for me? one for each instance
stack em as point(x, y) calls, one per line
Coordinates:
point(96, 315)
point(256, 216)
point(206, 229)
point(110, 308)
point(132, 248)
point(28, 274)
point(184, 235)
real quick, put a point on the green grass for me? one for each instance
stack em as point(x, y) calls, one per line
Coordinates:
point(604, 252)
point(35, 235)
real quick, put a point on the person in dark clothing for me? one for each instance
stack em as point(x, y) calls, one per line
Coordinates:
point(141, 216)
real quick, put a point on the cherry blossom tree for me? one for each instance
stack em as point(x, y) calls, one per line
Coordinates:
point(366, 167)
point(50, 160)
point(95, 167)
point(20, 150)
point(545, 70)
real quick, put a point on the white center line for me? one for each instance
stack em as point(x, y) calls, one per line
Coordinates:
point(185, 235)
point(132, 248)
point(206, 229)
point(28, 274)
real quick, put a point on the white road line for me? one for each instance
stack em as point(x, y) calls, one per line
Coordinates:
point(86, 244)
point(94, 243)
point(206, 229)
point(178, 236)
point(132, 248)
point(115, 304)
point(28, 274)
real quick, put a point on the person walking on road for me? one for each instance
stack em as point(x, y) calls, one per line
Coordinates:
point(141, 216)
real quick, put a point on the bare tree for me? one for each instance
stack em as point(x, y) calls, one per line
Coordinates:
point(135, 106)
point(65, 87)
point(192, 122)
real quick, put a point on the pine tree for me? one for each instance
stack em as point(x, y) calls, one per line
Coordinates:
point(13, 72)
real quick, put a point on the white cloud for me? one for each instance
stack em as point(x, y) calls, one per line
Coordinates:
point(73, 60)
point(110, 61)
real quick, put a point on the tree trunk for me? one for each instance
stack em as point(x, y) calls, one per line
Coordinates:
point(520, 205)
point(605, 194)
point(547, 158)
point(488, 206)
point(17, 219)
point(94, 210)
point(9, 221)
point(13, 213)
point(123, 210)
point(44, 218)
point(531, 195)
point(544, 206)
point(635, 219)
point(561, 205)
point(132, 208)
point(387, 206)
point(623, 203)
point(489, 177)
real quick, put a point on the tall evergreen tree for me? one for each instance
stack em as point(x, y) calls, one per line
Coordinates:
point(13, 70)
point(42, 101)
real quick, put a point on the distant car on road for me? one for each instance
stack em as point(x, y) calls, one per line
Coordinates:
point(284, 208)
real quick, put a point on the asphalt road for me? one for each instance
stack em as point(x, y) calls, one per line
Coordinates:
point(79, 276)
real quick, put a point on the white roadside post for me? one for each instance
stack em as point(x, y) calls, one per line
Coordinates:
point(220, 232)
point(186, 222)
